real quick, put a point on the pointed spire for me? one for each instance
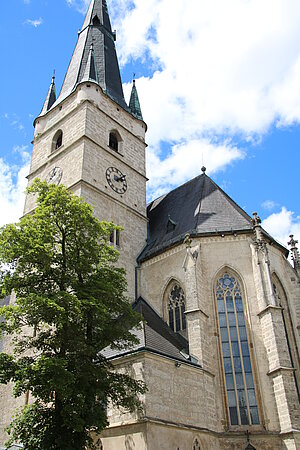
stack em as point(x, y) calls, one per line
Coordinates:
point(101, 63)
point(134, 103)
point(51, 96)
point(91, 68)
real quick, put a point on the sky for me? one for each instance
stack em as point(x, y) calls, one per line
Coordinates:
point(218, 82)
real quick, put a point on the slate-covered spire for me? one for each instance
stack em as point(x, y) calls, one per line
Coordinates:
point(96, 30)
point(134, 103)
point(91, 68)
point(51, 97)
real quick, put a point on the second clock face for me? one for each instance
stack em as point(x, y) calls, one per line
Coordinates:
point(54, 176)
point(116, 179)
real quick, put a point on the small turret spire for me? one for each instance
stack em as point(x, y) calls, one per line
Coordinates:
point(134, 103)
point(51, 96)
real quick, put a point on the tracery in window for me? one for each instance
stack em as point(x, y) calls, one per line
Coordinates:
point(241, 395)
point(196, 445)
point(176, 308)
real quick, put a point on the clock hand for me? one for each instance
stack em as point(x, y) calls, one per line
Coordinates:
point(122, 178)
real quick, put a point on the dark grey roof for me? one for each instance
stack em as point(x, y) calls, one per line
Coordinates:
point(51, 97)
point(197, 207)
point(155, 336)
point(96, 32)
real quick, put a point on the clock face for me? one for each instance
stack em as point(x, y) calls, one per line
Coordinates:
point(116, 179)
point(54, 176)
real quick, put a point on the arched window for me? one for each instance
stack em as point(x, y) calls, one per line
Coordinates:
point(57, 140)
point(113, 141)
point(241, 396)
point(176, 307)
point(196, 445)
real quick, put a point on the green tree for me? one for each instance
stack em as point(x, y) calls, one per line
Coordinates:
point(70, 304)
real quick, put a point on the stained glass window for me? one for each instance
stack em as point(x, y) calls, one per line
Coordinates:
point(176, 308)
point(241, 396)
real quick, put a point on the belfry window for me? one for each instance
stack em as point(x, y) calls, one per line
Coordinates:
point(113, 141)
point(176, 308)
point(57, 140)
point(241, 396)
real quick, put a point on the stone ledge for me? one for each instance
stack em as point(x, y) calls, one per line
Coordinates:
point(269, 308)
point(280, 369)
point(193, 311)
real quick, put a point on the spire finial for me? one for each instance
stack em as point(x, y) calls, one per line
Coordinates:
point(203, 168)
point(53, 77)
point(294, 252)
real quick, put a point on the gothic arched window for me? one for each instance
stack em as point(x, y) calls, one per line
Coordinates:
point(176, 307)
point(57, 140)
point(241, 396)
point(196, 445)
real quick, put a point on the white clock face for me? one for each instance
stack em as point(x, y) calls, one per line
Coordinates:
point(54, 176)
point(116, 179)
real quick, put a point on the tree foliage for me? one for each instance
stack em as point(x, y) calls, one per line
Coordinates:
point(70, 304)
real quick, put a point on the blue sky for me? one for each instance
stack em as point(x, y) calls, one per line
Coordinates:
point(219, 85)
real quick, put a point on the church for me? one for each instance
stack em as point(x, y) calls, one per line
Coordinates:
point(218, 350)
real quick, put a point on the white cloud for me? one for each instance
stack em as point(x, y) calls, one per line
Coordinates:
point(34, 22)
point(269, 204)
point(185, 162)
point(223, 69)
point(233, 65)
point(12, 187)
point(281, 225)
point(80, 5)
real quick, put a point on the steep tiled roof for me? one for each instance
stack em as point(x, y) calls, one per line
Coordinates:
point(155, 336)
point(197, 207)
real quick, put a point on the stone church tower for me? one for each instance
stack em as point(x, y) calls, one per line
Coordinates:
point(219, 346)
